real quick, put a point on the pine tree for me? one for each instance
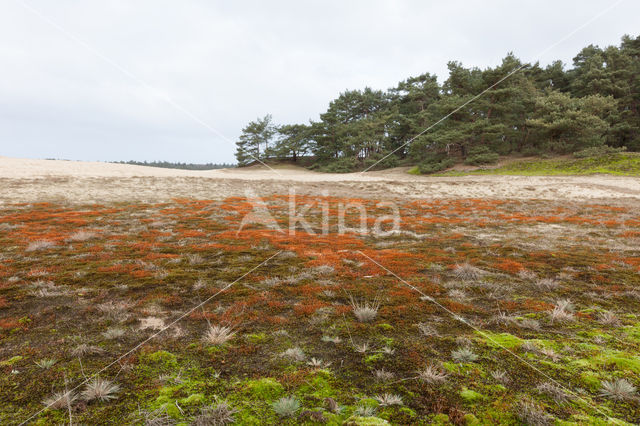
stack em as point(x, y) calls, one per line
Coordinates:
point(254, 140)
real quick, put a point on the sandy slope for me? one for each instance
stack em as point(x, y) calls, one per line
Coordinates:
point(23, 180)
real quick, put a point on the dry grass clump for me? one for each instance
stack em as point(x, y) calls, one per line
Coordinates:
point(457, 295)
point(383, 375)
point(324, 270)
point(546, 284)
point(365, 311)
point(85, 349)
point(294, 354)
point(530, 414)
point(331, 339)
point(618, 390)
point(562, 311)
point(81, 236)
point(219, 334)
point(114, 333)
point(608, 318)
point(427, 329)
point(467, 272)
point(432, 375)
point(60, 400)
point(40, 245)
point(553, 391)
point(530, 323)
point(361, 348)
point(115, 310)
point(318, 363)
point(389, 399)
point(464, 354)
point(526, 274)
point(218, 414)
point(500, 376)
point(100, 389)
point(46, 363)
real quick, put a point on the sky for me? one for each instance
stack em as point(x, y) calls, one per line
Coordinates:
point(178, 80)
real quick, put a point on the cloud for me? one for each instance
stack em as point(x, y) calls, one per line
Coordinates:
point(230, 62)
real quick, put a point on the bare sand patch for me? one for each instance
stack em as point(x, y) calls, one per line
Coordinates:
point(24, 180)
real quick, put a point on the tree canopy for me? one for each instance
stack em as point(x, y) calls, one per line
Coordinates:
point(523, 108)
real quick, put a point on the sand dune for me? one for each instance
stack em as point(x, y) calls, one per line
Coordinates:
point(25, 180)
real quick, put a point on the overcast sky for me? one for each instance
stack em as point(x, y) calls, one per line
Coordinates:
point(177, 80)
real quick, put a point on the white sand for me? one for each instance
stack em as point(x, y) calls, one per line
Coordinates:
point(23, 180)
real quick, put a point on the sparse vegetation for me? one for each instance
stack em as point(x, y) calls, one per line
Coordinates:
point(286, 406)
point(218, 334)
point(300, 349)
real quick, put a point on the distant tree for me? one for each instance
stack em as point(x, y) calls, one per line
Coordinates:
point(565, 124)
point(293, 141)
point(254, 140)
point(521, 108)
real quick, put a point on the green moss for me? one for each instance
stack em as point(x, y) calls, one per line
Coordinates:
point(471, 396)
point(266, 389)
point(440, 420)
point(161, 359)
point(591, 380)
point(194, 399)
point(372, 359)
point(11, 361)
point(369, 402)
point(365, 421)
point(621, 361)
point(471, 420)
point(256, 337)
point(318, 387)
point(501, 340)
point(415, 170)
point(623, 164)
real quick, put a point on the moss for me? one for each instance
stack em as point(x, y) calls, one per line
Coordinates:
point(193, 399)
point(471, 396)
point(365, 421)
point(161, 359)
point(501, 340)
point(440, 420)
point(471, 420)
point(385, 327)
point(387, 341)
point(256, 337)
point(621, 361)
point(318, 387)
point(623, 164)
point(369, 402)
point(371, 359)
point(591, 380)
point(266, 389)
point(11, 361)
point(415, 170)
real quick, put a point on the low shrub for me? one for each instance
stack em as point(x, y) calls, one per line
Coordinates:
point(597, 151)
point(435, 162)
point(481, 155)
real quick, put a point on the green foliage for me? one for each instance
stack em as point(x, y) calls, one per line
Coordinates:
point(254, 140)
point(435, 162)
point(598, 151)
point(265, 388)
point(481, 155)
point(535, 111)
point(471, 396)
point(623, 164)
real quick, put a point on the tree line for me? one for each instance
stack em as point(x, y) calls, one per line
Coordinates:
point(535, 110)
point(184, 166)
